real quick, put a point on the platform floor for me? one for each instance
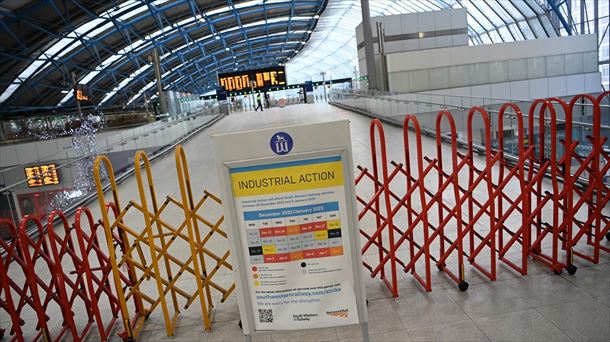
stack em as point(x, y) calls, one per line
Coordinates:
point(538, 307)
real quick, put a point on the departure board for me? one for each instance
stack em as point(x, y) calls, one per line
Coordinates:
point(40, 175)
point(260, 79)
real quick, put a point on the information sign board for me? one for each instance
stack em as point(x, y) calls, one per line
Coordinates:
point(290, 205)
point(39, 175)
point(247, 80)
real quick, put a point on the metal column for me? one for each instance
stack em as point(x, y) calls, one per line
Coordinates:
point(384, 85)
point(76, 97)
point(596, 16)
point(323, 73)
point(368, 44)
point(157, 64)
point(583, 9)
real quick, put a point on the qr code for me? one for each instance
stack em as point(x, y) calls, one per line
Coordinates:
point(265, 315)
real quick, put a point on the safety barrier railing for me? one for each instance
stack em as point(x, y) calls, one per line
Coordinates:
point(150, 249)
point(48, 277)
point(76, 281)
point(486, 210)
point(391, 108)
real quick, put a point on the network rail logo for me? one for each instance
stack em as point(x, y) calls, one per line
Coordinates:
point(342, 313)
point(281, 143)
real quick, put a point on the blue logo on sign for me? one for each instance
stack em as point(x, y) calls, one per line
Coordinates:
point(281, 143)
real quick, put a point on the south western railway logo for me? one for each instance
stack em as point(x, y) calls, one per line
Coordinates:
point(338, 313)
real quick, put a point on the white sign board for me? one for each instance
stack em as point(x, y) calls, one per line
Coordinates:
point(290, 209)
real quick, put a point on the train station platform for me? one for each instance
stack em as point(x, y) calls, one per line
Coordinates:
point(540, 306)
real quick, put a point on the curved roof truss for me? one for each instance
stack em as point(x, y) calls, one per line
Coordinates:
point(108, 46)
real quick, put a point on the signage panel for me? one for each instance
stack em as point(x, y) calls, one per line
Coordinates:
point(295, 222)
point(290, 203)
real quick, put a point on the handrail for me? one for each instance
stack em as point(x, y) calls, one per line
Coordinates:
point(446, 105)
point(501, 99)
point(391, 119)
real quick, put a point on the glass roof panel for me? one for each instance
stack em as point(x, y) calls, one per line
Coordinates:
point(546, 22)
point(331, 47)
point(536, 28)
point(505, 33)
point(523, 7)
point(527, 30)
point(515, 30)
point(510, 9)
point(499, 10)
point(490, 21)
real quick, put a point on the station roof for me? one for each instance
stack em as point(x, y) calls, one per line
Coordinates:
point(107, 44)
point(333, 44)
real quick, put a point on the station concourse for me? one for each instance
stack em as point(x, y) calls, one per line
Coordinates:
point(539, 307)
point(422, 170)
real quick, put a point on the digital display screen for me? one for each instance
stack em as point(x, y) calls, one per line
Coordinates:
point(260, 79)
point(40, 175)
point(82, 94)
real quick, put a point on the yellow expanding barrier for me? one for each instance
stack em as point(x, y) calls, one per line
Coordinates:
point(152, 258)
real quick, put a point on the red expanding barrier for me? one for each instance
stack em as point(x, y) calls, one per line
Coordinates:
point(63, 281)
point(60, 293)
point(430, 210)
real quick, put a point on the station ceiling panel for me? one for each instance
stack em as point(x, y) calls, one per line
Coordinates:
point(107, 45)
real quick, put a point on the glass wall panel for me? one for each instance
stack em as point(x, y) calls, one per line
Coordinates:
point(574, 63)
point(536, 67)
point(517, 69)
point(555, 65)
point(498, 71)
point(459, 76)
point(479, 73)
point(439, 78)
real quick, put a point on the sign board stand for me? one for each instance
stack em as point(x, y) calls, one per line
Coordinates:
point(290, 209)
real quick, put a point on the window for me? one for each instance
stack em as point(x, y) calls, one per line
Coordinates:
point(604, 52)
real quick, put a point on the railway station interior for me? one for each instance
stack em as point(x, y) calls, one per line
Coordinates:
point(304, 170)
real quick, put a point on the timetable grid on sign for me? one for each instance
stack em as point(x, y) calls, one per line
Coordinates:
point(295, 238)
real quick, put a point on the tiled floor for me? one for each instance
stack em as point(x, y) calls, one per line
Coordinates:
point(538, 307)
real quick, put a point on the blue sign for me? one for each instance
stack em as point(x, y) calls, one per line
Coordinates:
point(221, 94)
point(281, 143)
point(308, 86)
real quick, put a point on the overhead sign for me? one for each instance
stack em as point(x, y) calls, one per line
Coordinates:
point(260, 79)
point(289, 200)
point(40, 175)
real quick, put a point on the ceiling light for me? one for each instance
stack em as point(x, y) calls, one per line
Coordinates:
point(226, 49)
point(303, 43)
point(217, 37)
point(234, 57)
point(316, 16)
point(309, 31)
point(65, 91)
